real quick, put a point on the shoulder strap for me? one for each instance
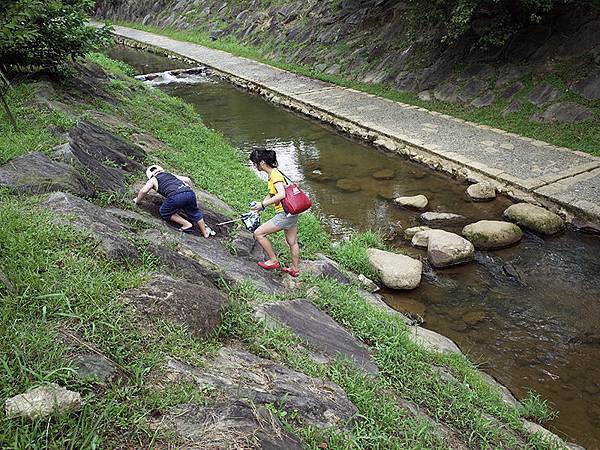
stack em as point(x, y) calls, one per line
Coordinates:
point(285, 177)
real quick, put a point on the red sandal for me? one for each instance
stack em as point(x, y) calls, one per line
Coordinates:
point(266, 266)
point(291, 272)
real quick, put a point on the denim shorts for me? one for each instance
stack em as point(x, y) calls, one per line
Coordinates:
point(182, 202)
point(282, 220)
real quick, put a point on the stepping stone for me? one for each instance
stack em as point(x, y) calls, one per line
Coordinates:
point(237, 424)
point(481, 191)
point(239, 375)
point(535, 218)
point(322, 333)
point(410, 232)
point(384, 174)
point(396, 271)
point(491, 234)
point(198, 308)
point(415, 202)
point(43, 401)
point(444, 248)
point(35, 173)
point(441, 218)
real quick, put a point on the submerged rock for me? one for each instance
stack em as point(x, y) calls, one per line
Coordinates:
point(535, 218)
point(490, 234)
point(438, 218)
point(237, 424)
point(415, 202)
point(444, 248)
point(197, 307)
point(384, 174)
point(348, 185)
point(396, 271)
point(329, 339)
point(43, 401)
point(35, 173)
point(481, 191)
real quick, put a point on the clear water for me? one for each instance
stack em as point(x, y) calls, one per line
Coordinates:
point(539, 332)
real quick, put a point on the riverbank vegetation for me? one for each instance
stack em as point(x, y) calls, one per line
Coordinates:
point(59, 287)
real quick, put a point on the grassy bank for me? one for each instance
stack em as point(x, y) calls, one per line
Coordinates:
point(579, 136)
point(63, 285)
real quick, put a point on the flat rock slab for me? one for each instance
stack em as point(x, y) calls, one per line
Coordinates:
point(433, 218)
point(231, 425)
point(98, 367)
point(87, 217)
point(325, 267)
point(242, 375)
point(198, 308)
point(35, 173)
point(326, 336)
point(42, 402)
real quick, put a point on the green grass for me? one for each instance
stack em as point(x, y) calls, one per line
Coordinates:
point(582, 136)
point(535, 408)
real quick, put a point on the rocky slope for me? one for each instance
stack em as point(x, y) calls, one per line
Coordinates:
point(549, 71)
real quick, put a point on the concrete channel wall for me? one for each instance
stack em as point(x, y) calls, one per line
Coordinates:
point(564, 180)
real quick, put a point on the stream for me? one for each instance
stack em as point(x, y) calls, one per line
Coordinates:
point(528, 314)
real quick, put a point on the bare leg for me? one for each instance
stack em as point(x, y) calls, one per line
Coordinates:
point(202, 227)
point(181, 221)
point(261, 236)
point(291, 237)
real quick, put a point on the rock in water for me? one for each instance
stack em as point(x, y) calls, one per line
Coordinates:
point(348, 185)
point(490, 234)
point(444, 248)
point(396, 271)
point(197, 307)
point(415, 202)
point(481, 191)
point(410, 232)
point(35, 173)
point(438, 218)
point(535, 218)
point(43, 401)
point(384, 174)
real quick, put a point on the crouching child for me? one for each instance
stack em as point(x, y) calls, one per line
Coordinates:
point(179, 197)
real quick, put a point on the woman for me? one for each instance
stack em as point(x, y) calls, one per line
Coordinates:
point(266, 161)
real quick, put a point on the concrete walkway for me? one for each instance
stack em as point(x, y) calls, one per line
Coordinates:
point(524, 168)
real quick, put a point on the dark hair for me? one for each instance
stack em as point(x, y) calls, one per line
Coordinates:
point(262, 154)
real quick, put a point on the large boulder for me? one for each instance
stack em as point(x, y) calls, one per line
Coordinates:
point(481, 192)
point(444, 248)
point(197, 307)
point(414, 202)
point(35, 173)
point(396, 271)
point(92, 219)
point(490, 234)
point(535, 218)
point(42, 402)
point(237, 374)
point(438, 218)
point(237, 424)
point(329, 339)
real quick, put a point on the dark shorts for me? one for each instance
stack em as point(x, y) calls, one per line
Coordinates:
point(182, 202)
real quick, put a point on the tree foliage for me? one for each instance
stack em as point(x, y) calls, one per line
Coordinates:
point(492, 21)
point(46, 34)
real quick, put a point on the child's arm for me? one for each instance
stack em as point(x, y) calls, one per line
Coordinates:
point(186, 180)
point(150, 184)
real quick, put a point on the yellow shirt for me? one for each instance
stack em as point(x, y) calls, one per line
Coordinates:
point(275, 177)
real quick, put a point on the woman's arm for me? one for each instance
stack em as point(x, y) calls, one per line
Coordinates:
point(268, 200)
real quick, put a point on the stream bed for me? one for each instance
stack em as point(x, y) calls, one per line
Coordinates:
point(529, 314)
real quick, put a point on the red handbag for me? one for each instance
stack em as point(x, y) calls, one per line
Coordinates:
point(295, 201)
